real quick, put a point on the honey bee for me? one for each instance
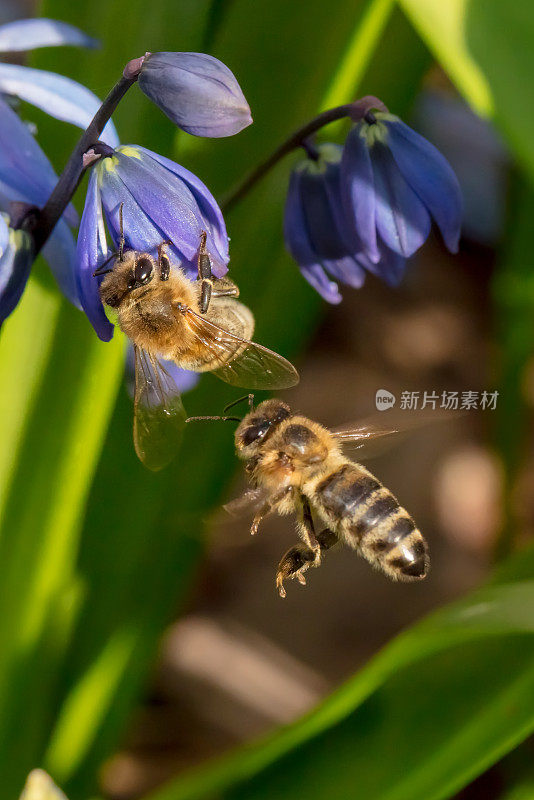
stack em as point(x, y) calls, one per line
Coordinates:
point(200, 325)
point(297, 465)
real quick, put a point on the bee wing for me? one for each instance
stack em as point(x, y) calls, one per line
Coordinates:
point(159, 416)
point(376, 434)
point(242, 363)
point(249, 502)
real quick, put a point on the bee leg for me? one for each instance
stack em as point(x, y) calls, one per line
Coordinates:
point(299, 558)
point(292, 565)
point(164, 265)
point(307, 529)
point(204, 274)
point(327, 539)
point(224, 287)
point(268, 507)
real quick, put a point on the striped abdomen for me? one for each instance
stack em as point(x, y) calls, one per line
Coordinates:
point(368, 517)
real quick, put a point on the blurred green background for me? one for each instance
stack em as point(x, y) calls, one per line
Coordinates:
point(143, 649)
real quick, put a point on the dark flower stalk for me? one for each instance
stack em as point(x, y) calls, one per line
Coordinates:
point(74, 169)
point(354, 111)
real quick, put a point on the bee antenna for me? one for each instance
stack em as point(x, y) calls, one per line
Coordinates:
point(213, 419)
point(121, 230)
point(99, 270)
point(248, 397)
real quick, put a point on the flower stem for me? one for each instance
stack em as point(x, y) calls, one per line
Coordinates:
point(70, 178)
point(355, 111)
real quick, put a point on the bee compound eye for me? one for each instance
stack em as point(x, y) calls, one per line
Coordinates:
point(143, 270)
point(256, 431)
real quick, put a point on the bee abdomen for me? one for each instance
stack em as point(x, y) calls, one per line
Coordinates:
point(344, 490)
point(369, 518)
point(389, 539)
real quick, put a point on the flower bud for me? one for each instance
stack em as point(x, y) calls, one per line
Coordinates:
point(196, 91)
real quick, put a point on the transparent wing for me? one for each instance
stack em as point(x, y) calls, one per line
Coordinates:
point(379, 432)
point(242, 363)
point(249, 502)
point(159, 416)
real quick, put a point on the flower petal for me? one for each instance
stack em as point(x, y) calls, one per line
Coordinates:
point(401, 218)
point(4, 235)
point(91, 251)
point(171, 205)
point(27, 34)
point(59, 96)
point(323, 211)
point(358, 191)
point(140, 231)
point(197, 92)
point(15, 267)
point(390, 267)
point(430, 176)
point(317, 277)
point(346, 270)
point(25, 172)
point(60, 253)
point(208, 205)
point(296, 234)
point(298, 243)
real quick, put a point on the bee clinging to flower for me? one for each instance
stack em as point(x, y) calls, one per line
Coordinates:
point(199, 325)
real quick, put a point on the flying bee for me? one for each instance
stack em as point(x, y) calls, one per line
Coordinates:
point(296, 465)
point(200, 325)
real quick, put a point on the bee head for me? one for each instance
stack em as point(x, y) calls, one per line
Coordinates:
point(125, 275)
point(257, 426)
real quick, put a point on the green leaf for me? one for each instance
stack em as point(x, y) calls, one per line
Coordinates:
point(433, 709)
point(486, 48)
point(443, 28)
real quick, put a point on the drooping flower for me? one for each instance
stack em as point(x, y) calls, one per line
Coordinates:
point(318, 231)
point(196, 91)
point(161, 201)
point(394, 182)
point(59, 96)
point(27, 177)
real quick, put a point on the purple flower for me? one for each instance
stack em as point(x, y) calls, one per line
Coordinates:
point(318, 231)
point(27, 177)
point(393, 183)
point(59, 96)
point(196, 91)
point(369, 205)
point(161, 201)
point(16, 256)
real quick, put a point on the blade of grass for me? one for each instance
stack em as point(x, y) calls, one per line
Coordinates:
point(372, 714)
